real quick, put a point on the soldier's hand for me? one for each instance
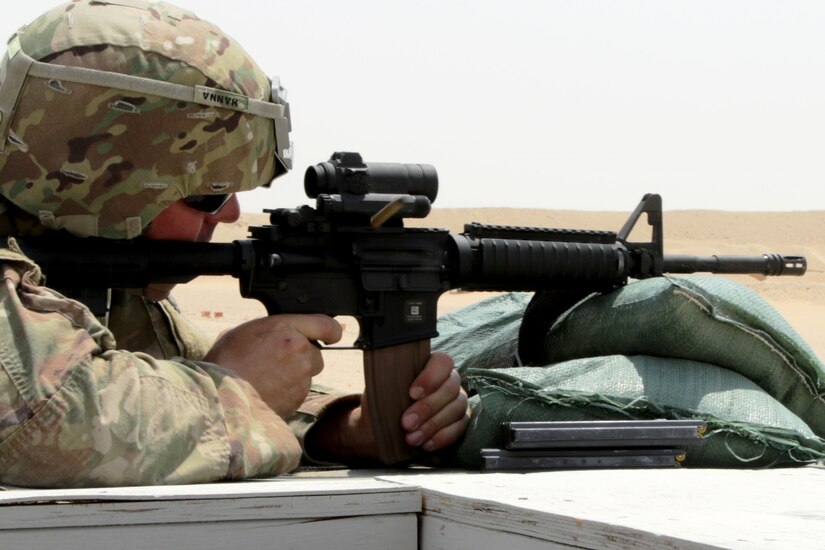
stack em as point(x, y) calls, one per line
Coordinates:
point(277, 356)
point(439, 415)
point(437, 418)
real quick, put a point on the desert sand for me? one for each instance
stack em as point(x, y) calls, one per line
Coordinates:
point(215, 304)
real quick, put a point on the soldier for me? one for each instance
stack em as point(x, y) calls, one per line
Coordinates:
point(137, 119)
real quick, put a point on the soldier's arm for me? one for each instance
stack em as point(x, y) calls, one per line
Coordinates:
point(76, 411)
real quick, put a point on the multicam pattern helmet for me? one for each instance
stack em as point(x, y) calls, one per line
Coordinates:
point(112, 110)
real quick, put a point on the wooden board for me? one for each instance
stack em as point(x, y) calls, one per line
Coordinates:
point(651, 509)
point(358, 513)
point(437, 533)
point(640, 509)
point(395, 531)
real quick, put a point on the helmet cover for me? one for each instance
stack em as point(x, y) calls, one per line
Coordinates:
point(98, 158)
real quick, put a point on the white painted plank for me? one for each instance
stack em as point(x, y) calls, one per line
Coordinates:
point(280, 486)
point(89, 513)
point(435, 533)
point(300, 499)
point(683, 508)
point(565, 531)
point(361, 533)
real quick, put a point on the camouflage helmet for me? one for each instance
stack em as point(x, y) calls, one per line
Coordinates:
point(111, 111)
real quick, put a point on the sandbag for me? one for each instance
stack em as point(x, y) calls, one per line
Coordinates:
point(703, 318)
point(748, 425)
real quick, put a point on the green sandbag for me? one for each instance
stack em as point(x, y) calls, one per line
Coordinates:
point(484, 333)
point(746, 426)
point(703, 318)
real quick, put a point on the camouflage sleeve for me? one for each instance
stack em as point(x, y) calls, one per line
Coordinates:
point(74, 411)
point(320, 403)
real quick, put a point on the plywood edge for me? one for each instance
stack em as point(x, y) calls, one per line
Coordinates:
point(323, 498)
point(276, 487)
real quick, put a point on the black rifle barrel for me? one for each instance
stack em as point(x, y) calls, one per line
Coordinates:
point(766, 264)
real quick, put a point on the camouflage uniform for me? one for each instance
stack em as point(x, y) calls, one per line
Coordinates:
point(76, 408)
point(76, 411)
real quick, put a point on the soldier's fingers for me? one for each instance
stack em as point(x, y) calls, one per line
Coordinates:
point(443, 429)
point(426, 408)
point(313, 326)
point(439, 367)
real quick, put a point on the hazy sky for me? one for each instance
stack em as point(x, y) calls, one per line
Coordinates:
point(549, 104)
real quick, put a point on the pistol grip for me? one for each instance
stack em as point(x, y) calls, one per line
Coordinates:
point(388, 373)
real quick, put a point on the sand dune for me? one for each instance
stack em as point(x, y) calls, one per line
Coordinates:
point(214, 303)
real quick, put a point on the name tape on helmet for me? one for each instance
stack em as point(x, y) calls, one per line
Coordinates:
point(220, 98)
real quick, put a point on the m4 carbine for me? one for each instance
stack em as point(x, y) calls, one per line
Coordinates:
point(351, 255)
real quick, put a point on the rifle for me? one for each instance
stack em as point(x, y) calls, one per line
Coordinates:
point(351, 255)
